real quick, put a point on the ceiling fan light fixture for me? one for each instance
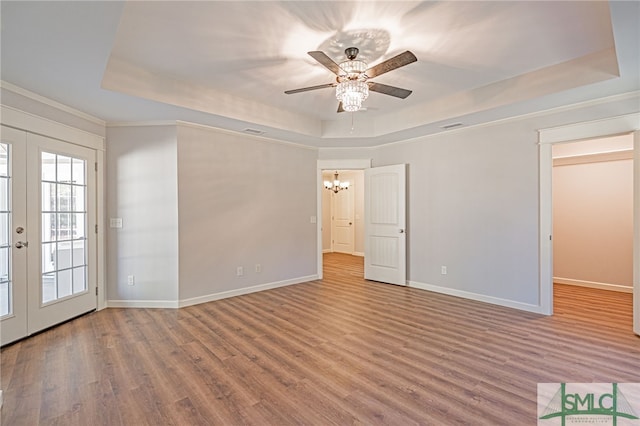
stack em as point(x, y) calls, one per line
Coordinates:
point(352, 93)
point(353, 69)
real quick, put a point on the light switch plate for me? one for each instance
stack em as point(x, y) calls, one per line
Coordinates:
point(313, 219)
point(115, 222)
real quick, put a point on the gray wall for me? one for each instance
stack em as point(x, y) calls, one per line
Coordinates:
point(142, 190)
point(473, 208)
point(243, 201)
point(473, 202)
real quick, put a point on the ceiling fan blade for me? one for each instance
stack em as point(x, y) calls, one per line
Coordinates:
point(390, 64)
point(306, 89)
point(389, 90)
point(326, 61)
point(340, 109)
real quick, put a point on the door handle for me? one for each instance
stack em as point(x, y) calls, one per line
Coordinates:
point(349, 223)
point(21, 244)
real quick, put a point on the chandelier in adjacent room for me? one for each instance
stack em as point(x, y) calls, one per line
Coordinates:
point(336, 185)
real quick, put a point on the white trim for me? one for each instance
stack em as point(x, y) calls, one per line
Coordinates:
point(241, 291)
point(178, 123)
point(593, 284)
point(241, 133)
point(149, 304)
point(579, 105)
point(353, 164)
point(50, 102)
point(154, 123)
point(592, 129)
point(636, 232)
point(476, 296)
point(593, 158)
point(587, 130)
point(327, 251)
point(358, 253)
point(101, 253)
point(35, 124)
point(545, 230)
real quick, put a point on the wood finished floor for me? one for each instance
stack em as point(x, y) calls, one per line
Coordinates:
point(337, 351)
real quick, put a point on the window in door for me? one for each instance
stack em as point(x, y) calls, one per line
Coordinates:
point(64, 226)
point(5, 233)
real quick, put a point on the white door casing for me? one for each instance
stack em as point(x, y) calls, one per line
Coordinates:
point(574, 132)
point(385, 224)
point(335, 164)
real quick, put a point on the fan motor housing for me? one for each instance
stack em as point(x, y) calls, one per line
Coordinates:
point(351, 53)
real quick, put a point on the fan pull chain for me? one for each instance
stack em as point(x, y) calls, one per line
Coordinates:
point(352, 126)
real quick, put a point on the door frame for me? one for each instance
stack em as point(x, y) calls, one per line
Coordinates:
point(345, 164)
point(30, 123)
point(624, 124)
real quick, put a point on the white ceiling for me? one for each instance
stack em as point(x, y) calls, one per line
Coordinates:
point(227, 64)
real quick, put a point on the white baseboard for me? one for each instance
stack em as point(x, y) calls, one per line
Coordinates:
point(593, 284)
point(172, 304)
point(479, 297)
point(357, 253)
point(326, 251)
point(247, 290)
point(163, 304)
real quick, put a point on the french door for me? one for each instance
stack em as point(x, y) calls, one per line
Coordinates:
point(47, 240)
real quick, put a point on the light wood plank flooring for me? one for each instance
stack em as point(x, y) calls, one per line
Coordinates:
point(337, 351)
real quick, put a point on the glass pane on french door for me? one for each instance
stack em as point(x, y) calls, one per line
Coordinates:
point(6, 291)
point(64, 226)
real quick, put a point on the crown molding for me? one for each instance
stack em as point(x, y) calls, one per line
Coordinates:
point(50, 102)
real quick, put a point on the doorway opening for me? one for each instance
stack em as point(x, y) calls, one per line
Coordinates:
point(626, 124)
point(592, 186)
point(343, 213)
point(346, 202)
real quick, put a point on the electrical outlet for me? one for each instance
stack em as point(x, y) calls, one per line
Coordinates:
point(443, 270)
point(131, 280)
point(239, 271)
point(258, 268)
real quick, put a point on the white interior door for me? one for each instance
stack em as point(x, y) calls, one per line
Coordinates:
point(13, 234)
point(342, 229)
point(51, 242)
point(385, 224)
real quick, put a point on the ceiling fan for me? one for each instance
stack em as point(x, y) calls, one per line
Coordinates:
point(352, 78)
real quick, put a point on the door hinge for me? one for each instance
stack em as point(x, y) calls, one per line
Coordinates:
point(96, 291)
point(96, 228)
point(96, 166)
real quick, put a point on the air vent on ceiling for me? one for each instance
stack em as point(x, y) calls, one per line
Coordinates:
point(254, 131)
point(451, 126)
